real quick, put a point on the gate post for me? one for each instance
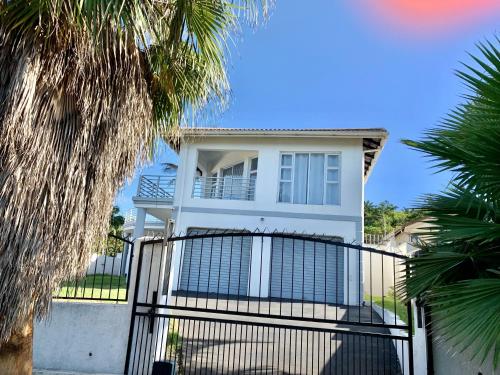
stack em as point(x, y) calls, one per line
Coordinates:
point(147, 278)
point(133, 283)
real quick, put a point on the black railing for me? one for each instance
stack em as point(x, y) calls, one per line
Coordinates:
point(203, 345)
point(250, 302)
point(107, 275)
point(278, 275)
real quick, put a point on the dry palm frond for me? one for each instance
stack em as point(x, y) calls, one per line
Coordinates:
point(86, 88)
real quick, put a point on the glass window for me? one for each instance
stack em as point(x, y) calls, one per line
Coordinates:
point(332, 193)
point(332, 175)
point(285, 192)
point(333, 160)
point(300, 183)
point(309, 178)
point(253, 178)
point(254, 164)
point(316, 183)
point(286, 160)
point(286, 174)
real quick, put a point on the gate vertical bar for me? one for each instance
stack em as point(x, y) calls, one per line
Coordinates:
point(134, 308)
point(410, 329)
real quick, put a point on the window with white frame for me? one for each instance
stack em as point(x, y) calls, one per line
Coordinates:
point(254, 162)
point(309, 178)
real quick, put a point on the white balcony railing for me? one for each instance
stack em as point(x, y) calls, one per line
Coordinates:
point(230, 187)
point(131, 216)
point(157, 187)
point(374, 239)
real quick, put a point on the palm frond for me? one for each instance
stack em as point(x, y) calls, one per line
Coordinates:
point(468, 142)
point(468, 315)
point(458, 269)
point(87, 88)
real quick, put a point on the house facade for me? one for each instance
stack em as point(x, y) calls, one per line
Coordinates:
point(258, 231)
point(294, 181)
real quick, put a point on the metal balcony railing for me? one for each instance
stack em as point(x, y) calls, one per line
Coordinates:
point(229, 187)
point(131, 216)
point(157, 187)
point(374, 239)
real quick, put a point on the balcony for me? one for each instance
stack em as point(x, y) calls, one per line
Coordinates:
point(157, 188)
point(229, 188)
point(131, 215)
point(152, 225)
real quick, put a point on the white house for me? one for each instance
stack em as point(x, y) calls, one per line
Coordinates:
point(305, 181)
point(308, 181)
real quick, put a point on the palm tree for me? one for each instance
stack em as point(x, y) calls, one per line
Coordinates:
point(86, 89)
point(458, 271)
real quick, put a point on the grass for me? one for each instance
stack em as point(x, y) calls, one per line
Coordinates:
point(399, 308)
point(94, 287)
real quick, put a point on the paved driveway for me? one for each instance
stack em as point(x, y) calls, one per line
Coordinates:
point(210, 343)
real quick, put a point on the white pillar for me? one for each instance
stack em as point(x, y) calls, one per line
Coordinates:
point(352, 287)
point(140, 221)
point(260, 267)
point(266, 267)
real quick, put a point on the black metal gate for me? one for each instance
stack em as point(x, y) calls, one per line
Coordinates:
point(274, 303)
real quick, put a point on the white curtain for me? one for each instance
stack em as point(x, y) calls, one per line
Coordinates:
point(300, 178)
point(232, 181)
point(316, 179)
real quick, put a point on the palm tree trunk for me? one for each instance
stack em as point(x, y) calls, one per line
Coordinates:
point(16, 353)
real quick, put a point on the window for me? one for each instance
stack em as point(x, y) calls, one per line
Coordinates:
point(212, 182)
point(309, 178)
point(231, 182)
point(253, 178)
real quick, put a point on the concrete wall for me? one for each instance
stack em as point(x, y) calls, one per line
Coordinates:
point(82, 337)
point(448, 361)
point(381, 271)
point(85, 337)
point(377, 265)
point(419, 343)
point(103, 264)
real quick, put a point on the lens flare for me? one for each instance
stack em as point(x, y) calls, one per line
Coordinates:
point(429, 16)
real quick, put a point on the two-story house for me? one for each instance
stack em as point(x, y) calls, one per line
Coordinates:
point(309, 181)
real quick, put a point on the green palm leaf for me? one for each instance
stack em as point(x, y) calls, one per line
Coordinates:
point(458, 269)
point(87, 88)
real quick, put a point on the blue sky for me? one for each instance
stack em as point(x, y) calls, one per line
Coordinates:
point(331, 64)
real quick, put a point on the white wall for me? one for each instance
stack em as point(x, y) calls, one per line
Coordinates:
point(269, 150)
point(419, 343)
point(381, 271)
point(231, 158)
point(448, 361)
point(74, 330)
point(103, 264)
point(345, 229)
point(82, 337)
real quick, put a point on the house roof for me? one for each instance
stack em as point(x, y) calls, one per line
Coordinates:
point(373, 138)
point(315, 132)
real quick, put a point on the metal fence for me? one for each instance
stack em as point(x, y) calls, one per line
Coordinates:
point(375, 239)
point(229, 187)
point(203, 345)
point(157, 187)
point(107, 275)
point(245, 302)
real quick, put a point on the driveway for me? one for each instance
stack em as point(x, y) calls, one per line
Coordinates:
point(231, 344)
